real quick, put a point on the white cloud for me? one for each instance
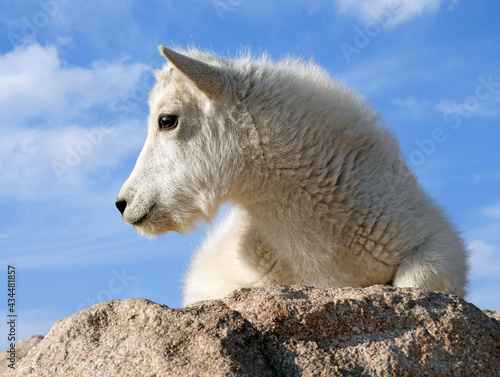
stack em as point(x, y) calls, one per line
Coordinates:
point(35, 163)
point(391, 12)
point(447, 106)
point(486, 176)
point(470, 107)
point(35, 82)
point(482, 100)
point(493, 211)
point(372, 77)
point(412, 107)
point(486, 296)
point(482, 235)
point(485, 245)
point(46, 147)
point(485, 259)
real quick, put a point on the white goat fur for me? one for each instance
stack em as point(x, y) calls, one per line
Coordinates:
point(320, 194)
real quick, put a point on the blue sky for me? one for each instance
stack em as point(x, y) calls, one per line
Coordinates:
point(74, 78)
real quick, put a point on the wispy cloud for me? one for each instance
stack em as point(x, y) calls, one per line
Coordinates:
point(485, 259)
point(49, 146)
point(35, 82)
point(40, 163)
point(493, 211)
point(469, 109)
point(486, 295)
point(411, 106)
point(488, 175)
point(373, 78)
point(484, 244)
point(400, 10)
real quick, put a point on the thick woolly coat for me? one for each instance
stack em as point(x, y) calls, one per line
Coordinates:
point(320, 194)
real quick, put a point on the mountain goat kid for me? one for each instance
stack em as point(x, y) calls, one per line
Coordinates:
point(320, 194)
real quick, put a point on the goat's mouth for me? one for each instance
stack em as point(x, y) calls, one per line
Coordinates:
point(141, 220)
point(155, 222)
point(146, 216)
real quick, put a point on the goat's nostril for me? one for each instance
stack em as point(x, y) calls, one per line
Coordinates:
point(121, 205)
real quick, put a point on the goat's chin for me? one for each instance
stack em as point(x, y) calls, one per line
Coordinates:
point(158, 223)
point(153, 229)
point(150, 230)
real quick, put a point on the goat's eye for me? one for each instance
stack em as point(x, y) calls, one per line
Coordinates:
point(167, 122)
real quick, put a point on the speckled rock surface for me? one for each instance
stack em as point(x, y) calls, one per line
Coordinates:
point(492, 314)
point(276, 331)
point(22, 348)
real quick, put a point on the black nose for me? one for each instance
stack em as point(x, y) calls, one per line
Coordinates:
point(121, 205)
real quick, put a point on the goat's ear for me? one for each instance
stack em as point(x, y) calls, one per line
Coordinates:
point(213, 82)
